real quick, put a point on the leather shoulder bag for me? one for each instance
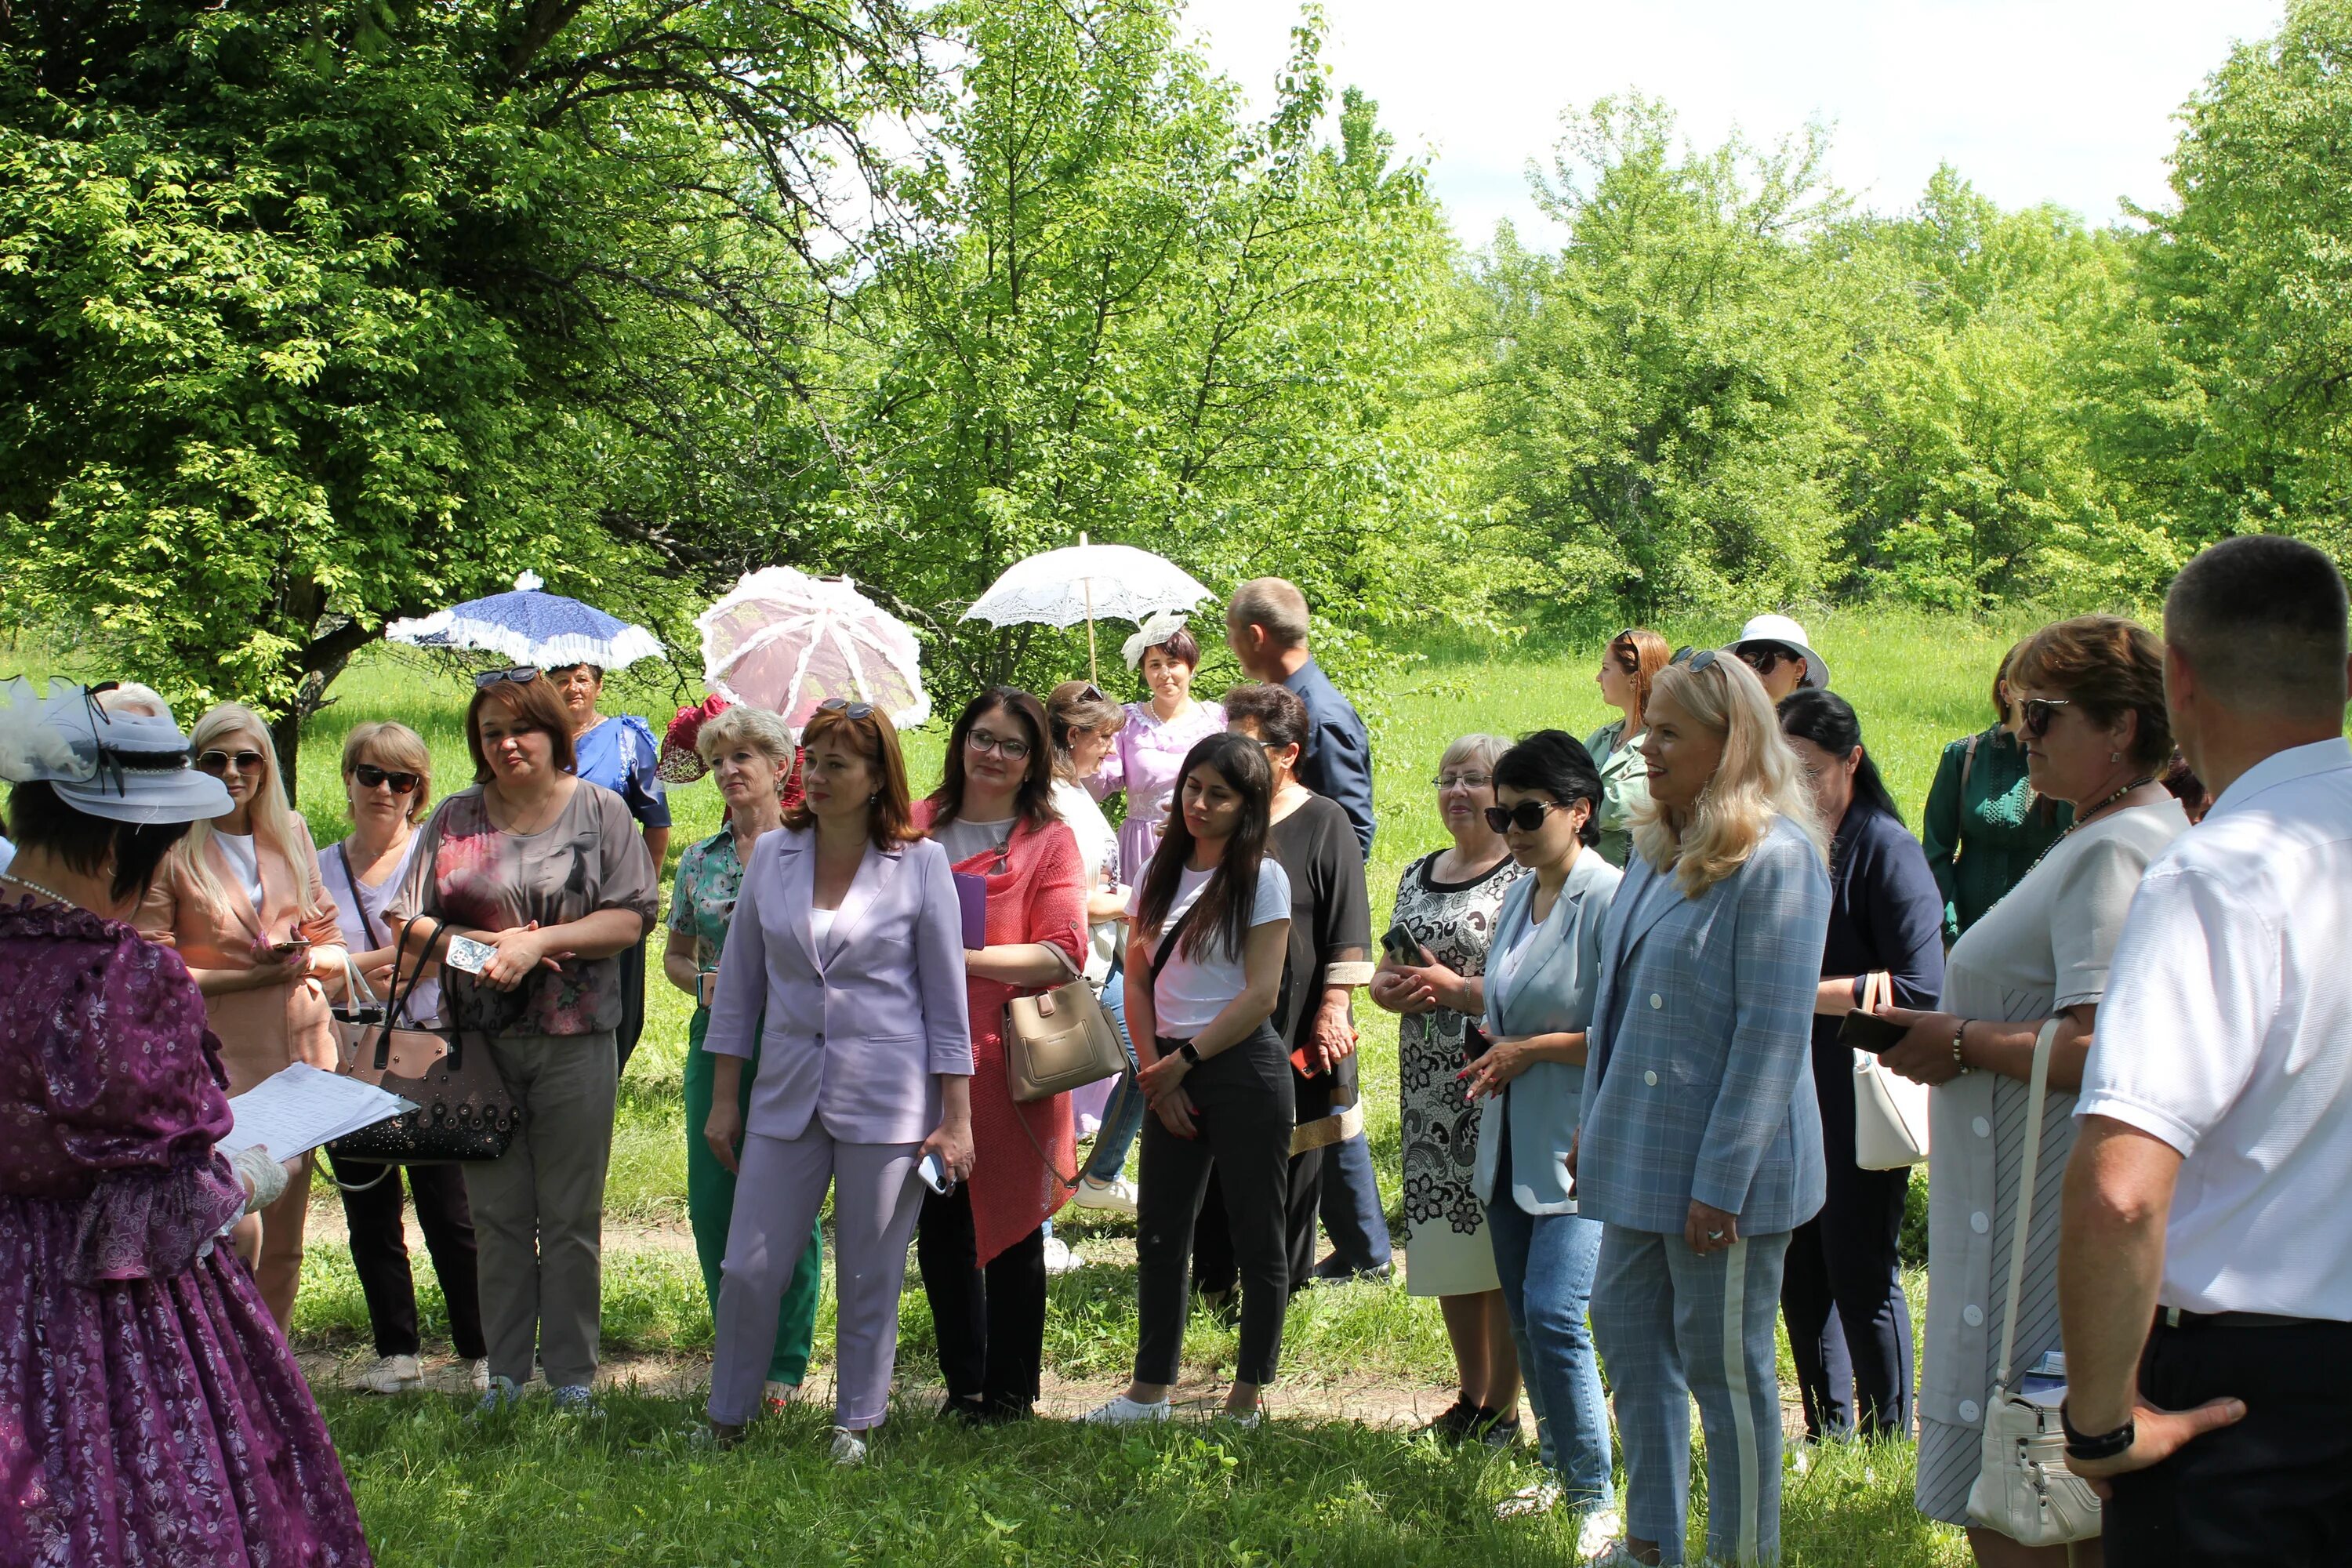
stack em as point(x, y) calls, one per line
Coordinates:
point(1890, 1111)
point(2023, 1487)
point(464, 1111)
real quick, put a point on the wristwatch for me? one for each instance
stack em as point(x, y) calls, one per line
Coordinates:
point(2103, 1445)
point(1191, 1057)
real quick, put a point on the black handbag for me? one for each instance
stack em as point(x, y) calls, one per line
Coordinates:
point(464, 1111)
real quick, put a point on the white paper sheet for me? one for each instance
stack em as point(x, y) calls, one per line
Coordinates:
point(294, 1112)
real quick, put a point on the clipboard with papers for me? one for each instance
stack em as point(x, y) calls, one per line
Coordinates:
point(297, 1109)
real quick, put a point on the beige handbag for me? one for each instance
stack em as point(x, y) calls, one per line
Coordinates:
point(2023, 1487)
point(1890, 1111)
point(1059, 1040)
point(360, 1018)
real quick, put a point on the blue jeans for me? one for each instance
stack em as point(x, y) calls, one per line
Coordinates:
point(1122, 1115)
point(1351, 1209)
point(1545, 1262)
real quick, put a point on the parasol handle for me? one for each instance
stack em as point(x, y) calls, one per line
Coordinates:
point(1094, 670)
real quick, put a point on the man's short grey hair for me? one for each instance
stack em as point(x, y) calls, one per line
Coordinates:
point(1479, 752)
point(1274, 603)
point(753, 727)
point(2261, 618)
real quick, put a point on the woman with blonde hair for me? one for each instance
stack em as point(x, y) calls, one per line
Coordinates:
point(1699, 1145)
point(242, 899)
point(388, 786)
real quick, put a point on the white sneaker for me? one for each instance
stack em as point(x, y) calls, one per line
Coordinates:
point(394, 1374)
point(848, 1447)
point(1601, 1541)
point(1538, 1497)
point(1059, 1258)
point(1245, 1419)
point(1115, 1195)
point(1124, 1411)
point(481, 1376)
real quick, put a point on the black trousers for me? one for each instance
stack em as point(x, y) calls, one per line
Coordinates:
point(1242, 1097)
point(1214, 1269)
point(633, 999)
point(2272, 1491)
point(380, 1252)
point(990, 1321)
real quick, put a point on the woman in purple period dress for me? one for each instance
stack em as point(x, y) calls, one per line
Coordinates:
point(1145, 758)
point(150, 1411)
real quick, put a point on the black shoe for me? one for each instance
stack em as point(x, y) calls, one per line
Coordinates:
point(966, 1409)
point(1332, 1271)
point(1456, 1424)
point(1498, 1429)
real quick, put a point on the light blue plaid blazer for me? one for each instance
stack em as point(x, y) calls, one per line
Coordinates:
point(1699, 1081)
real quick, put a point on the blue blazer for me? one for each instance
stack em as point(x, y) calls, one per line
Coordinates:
point(1338, 759)
point(855, 1031)
point(1699, 1081)
point(1551, 992)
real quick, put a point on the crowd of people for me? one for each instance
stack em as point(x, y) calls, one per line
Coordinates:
point(1655, 995)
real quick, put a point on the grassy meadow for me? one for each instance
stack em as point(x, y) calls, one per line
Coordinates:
point(624, 1485)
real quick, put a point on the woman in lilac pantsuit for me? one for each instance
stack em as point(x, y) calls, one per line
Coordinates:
point(848, 939)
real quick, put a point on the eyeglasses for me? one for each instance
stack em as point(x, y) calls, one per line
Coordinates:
point(219, 762)
point(1005, 746)
point(520, 674)
point(1764, 657)
point(2034, 713)
point(370, 777)
point(841, 705)
point(1526, 816)
point(1462, 780)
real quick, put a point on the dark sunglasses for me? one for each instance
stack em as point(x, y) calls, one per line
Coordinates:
point(1693, 659)
point(2034, 713)
point(842, 705)
point(1526, 816)
point(520, 674)
point(219, 762)
point(370, 777)
point(1763, 658)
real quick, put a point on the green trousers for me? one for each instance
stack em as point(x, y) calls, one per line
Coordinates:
point(710, 1207)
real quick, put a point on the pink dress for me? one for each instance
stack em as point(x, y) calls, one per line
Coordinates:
point(150, 1411)
point(1143, 761)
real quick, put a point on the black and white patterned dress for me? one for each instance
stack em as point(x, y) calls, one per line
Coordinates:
point(1446, 1249)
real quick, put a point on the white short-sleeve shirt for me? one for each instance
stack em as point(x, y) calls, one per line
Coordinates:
point(1194, 987)
point(2226, 1032)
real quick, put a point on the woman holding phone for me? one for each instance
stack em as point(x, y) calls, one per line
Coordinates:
point(749, 753)
point(1211, 927)
point(242, 898)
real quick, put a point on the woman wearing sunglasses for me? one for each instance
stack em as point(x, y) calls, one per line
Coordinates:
point(242, 898)
point(387, 785)
point(2091, 710)
point(1699, 1142)
point(981, 1247)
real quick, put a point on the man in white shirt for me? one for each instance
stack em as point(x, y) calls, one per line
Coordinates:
point(2205, 1272)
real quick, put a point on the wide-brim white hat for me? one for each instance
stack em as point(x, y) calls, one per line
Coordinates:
point(126, 764)
point(1784, 631)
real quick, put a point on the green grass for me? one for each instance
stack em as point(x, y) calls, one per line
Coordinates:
point(549, 1490)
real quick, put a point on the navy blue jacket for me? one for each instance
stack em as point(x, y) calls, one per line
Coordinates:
point(1337, 763)
point(1885, 912)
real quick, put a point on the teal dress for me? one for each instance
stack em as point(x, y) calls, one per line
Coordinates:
point(1624, 785)
point(710, 875)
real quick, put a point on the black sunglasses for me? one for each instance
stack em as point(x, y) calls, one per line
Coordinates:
point(1526, 816)
point(2034, 713)
point(520, 674)
point(1764, 657)
point(219, 762)
point(1693, 659)
point(842, 705)
point(370, 777)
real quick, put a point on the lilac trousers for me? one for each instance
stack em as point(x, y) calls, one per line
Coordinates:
point(875, 1201)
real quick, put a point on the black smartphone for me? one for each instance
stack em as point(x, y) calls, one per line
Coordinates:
point(1869, 1032)
point(1401, 946)
point(1475, 1044)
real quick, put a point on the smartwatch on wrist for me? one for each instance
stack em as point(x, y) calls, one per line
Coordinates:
point(1191, 1055)
point(2096, 1446)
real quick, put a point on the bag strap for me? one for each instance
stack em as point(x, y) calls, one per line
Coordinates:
point(1168, 942)
point(352, 881)
point(2032, 1158)
point(403, 986)
point(1968, 761)
point(1877, 991)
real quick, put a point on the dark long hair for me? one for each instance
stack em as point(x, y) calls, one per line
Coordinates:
point(1828, 721)
point(1034, 803)
point(1224, 911)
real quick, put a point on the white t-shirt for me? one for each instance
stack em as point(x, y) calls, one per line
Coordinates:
point(244, 861)
point(821, 926)
point(2227, 1032)
point(963, 839)
point(1098, 850)
point(1193, 988)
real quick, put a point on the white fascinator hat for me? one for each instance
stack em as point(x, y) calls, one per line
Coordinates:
point(107, 751)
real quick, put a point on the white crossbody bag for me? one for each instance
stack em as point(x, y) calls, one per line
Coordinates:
point(2023, 1487)
point(1890, 1111)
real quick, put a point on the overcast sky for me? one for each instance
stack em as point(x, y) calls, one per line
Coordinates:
point(2063, 101)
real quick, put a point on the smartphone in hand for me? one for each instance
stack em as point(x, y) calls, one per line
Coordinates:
point(706, 986)
point(933, 1175)
point(1869, 1032)
point(1402, 947)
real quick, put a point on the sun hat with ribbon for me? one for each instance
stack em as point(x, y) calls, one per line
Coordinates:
point(126, 761)
point(1158, 628)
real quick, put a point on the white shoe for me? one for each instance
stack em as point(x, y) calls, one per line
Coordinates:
point(848, 1447)
point(1538, 1497)
point(1245, 1419)
point(481, 1376)
point(1125, 1411)
point(394, 1374)
point(1059, 1258)
point(1115, 1195)
point(1601, 1541)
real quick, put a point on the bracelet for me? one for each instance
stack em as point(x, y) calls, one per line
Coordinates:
point(2104, 1446)
point(1957, 1036)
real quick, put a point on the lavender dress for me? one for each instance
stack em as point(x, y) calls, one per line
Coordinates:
point(150, 1411)
point(1143, 761)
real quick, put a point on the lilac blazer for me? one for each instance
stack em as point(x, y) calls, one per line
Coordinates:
point(856, 1030)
